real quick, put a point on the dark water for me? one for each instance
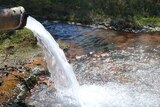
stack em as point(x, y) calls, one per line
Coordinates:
point(67, 32)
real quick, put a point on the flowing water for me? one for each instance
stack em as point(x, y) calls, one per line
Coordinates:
point(61, 72)
point(120, 78)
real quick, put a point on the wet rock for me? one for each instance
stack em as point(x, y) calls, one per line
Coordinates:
point(44, 80)
point(25, 76)
point(1, 82)
point(93, 59)
point(40, 71)
point(81, 57)
point(20, 67)
point(9, 84)
point(38, 66)
point(105, 55)
point(36, 62)
point(128, 25)
point(78, 57)
point(10, 50)
point(30, 82)
point(17, 104)
point(10, 69)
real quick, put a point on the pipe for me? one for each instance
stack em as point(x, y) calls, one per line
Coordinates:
point(12, 18)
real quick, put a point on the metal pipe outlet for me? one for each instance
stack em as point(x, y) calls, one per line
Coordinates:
point(12, 18)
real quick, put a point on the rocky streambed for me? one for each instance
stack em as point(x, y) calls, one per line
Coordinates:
point(98, 56)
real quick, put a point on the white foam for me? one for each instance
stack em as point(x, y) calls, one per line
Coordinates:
point(116, 95)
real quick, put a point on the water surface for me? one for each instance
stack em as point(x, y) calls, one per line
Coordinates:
point(119, 70)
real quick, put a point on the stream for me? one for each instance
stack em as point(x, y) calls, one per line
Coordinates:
point(117, 69)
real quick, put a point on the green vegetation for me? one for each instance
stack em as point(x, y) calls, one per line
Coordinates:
point(19, 38)
point(148, 21)
point(137, 12)
point(87, 11)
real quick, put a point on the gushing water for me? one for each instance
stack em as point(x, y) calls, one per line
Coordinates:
point(61, 71)
point(68, 92)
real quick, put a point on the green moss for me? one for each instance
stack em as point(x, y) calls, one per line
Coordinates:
point(23, 37)
point(19, 38)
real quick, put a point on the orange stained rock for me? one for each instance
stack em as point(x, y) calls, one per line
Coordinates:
point(9, 84)
point(37, 61)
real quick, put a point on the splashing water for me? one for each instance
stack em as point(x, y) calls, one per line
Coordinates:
point(61, 71)
point(70, 94)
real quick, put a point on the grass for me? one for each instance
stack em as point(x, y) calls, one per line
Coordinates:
point(155, 21)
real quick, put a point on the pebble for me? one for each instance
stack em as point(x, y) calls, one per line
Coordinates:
point(10, 69)
point(80, 57)
point(94, 59)
point(97, 56)
point(104, 54)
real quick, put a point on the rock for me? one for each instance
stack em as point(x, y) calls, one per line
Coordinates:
point(10, 50)
point(36, 62)
point(81, 57)
point(45, 22)
point(93, 59)
point(10, 83)
point(1, 82)
point(104, 55)
point(40, 71)
point(78, 57)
